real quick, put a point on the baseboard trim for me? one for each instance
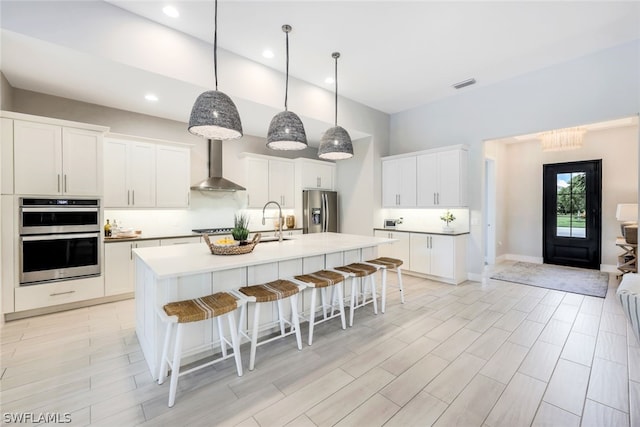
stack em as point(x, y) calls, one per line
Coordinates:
point(64, 307)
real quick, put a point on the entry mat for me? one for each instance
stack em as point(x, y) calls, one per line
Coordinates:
point(566, 279)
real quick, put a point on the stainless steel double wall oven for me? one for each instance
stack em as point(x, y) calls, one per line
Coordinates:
point(59, 239)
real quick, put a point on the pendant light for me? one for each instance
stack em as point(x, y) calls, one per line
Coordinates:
point(214, 115)
point(286, 131)
point(335, 144)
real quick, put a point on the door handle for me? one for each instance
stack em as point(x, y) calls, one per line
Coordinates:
point(318, 182)
point(61, 293)
point(58, 183)
point(434, 199)
point(65, 182)
point(133, 197)
point(438, 197)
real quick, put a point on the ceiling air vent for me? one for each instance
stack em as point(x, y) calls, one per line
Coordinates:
point(464, 83)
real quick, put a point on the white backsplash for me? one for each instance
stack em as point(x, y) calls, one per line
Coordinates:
point(427, 219)
point(208, 209)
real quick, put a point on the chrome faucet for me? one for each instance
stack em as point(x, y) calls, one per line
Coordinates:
point(279, 228)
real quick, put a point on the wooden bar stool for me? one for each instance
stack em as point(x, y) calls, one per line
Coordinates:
point(277, 291)
point(218, 305)
point(386, 264)
point(360, 271)
point(323, 280)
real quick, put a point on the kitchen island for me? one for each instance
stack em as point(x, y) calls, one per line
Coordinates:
point(173, 273)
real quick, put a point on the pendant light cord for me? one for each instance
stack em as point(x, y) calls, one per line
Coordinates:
point(336, 80)
point(215, 43)
point(286, 86)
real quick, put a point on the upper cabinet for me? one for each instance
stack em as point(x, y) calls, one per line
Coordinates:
point(269, 179)
point(315, 174)
point(442, 179)
point(142, 175)
point(399, 182)
point(173, 173)
point(433, 178)
point(56, 160)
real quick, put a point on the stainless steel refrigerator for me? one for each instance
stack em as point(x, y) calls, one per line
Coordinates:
point(319, 211)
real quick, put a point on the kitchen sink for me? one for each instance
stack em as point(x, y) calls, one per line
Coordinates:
point(272, 239)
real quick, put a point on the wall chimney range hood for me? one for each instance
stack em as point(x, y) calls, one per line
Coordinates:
point(215, 181)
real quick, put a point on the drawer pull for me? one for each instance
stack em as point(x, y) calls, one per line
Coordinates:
point(61, 293)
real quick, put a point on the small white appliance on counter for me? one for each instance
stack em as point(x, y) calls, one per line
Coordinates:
point(392, 223)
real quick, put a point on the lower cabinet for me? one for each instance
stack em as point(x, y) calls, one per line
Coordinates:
point(118, 265)
point(399, 249)
point(56, 293)
point(439, 255)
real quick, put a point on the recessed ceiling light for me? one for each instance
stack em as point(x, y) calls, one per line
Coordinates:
point(151, 97)
point(268, 53)
point(329, 80)
point(171, 11)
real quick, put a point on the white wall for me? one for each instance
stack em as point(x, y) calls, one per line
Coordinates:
point(590, 89)
point(618, 149)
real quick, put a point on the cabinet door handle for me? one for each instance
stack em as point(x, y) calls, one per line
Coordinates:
point(60, 293)
point(434, 198)
point(58, 183)
point(131, 251)
point(438, 197)
point(65, 182)
point(133, 197)
point(128, 197)
point(318, 182)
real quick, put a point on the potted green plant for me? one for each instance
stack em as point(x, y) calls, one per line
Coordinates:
point(447, 217)
point(240, 230)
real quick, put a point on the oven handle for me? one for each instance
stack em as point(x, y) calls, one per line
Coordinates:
point(58, 236)
point(60, 209)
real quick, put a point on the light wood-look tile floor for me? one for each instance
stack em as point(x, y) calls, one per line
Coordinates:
point(478, 354)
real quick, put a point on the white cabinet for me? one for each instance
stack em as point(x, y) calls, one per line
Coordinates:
point(57, 293)
point(143, 175)
point(442, 179)
point(129, 174)
point(55, 160)
point(281, 182)
point(269, 179)
point(399, 250)
point(439, 255)
point(180, 241)
point(399, 182)
point(173, 175)
point(119, 265)
point(314, 174)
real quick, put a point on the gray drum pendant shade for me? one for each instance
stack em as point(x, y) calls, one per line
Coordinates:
point(286, 131)
point(214, 115)
point(335, 144)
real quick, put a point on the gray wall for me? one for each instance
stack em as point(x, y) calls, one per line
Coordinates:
point(601, 86)
point(6, 93)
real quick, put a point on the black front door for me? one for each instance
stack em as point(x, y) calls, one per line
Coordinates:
point(572, 217)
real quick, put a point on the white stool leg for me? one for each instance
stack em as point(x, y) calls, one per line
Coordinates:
point(372, 281)
point(340, 303)
point(280, 316)
point(353, 300)
point(312, 315)
point(223, 344)
point(164, 365)
point(296, 321)
point(243, 319)
point(323, 296)
point(399, 273)
point(235, 342)
point(175, 365)
point(254, 336)
point(384, 288)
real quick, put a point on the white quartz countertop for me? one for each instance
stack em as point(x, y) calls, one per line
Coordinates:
point(196, 258)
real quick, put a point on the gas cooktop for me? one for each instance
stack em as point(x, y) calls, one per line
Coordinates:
point(212, 230)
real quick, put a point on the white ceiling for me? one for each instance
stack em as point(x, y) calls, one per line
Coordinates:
point(395, 55)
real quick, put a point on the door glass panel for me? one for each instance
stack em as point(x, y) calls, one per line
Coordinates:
point(571, 205)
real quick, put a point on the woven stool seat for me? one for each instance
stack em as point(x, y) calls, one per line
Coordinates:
point(387, 262)
point(322, 278)
point(272, 291)
point(203, 308)
point(357, 269)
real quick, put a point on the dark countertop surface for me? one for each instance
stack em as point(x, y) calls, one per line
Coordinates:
point(440, 232)
point(145, 236)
